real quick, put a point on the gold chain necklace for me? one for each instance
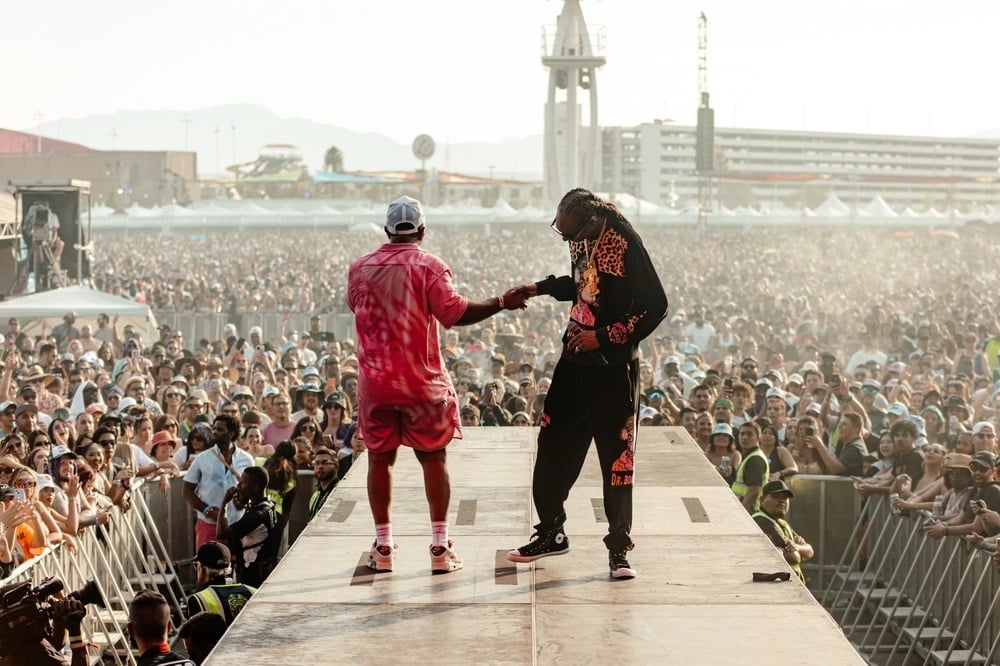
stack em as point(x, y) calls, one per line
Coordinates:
point(590, 275)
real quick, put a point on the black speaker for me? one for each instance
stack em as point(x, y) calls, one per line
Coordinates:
point(704, 141)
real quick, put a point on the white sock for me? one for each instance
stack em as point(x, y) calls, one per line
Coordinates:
point(383, 534)
point(439, 529)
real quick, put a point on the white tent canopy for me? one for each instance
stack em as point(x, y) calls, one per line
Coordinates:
point(51, 306)
point(877, 207)
point(832, 207)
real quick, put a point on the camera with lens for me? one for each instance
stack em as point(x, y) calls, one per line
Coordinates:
point(26, 612)
point(37, 221)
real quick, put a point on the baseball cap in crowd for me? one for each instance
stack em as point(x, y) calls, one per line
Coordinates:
point(335, 399)
point(95, 409)
point(26, 407)
point(871, 384)
point(724, 402)
point(256, 329)
point(646, 413)
point(125, 404)
point(8, 405)
point(897, 367)
point(112, 389)
point(214, 555)
point(795, 378)
point(6, 492)
point(241, 391)
point(778, 487)
point(405, 217)
point(723, 429)
point(921, 425)
point(269, 391)
point(672, 360)
point(763, 381)
point(62, 452)
point(983, 459)
point(981, 426)
point(45, 481)
point(898, 409)
point(814, 408)
point(775, 393)
point(958, 402)
point(67, 358)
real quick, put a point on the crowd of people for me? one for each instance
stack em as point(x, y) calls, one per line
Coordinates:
point(854, 352)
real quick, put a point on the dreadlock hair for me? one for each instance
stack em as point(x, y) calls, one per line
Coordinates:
point(585, 204)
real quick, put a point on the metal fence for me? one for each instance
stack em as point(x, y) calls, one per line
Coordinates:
point(197, 325)
point(149, 547)
point(897, 593)
point(119, 558)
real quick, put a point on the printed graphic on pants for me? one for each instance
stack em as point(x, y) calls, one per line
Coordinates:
point(623, 467)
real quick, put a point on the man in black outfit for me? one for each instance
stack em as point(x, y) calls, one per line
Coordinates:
point(149, 625)
point(617, 301)
point(256, 535)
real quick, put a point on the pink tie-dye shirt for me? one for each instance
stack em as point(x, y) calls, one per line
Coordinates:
point(398, 294)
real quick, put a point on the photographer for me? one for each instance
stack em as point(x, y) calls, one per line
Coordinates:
point(41, 230)
point(38, 622)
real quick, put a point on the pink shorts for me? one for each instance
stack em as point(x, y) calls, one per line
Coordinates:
point(422, 426)
point(203, 533)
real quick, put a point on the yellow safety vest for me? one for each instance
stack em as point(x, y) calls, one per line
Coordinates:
point(741, 488)
point(225, 600)
point(785, 530)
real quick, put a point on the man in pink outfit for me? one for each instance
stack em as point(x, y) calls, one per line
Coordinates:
point(399, 294)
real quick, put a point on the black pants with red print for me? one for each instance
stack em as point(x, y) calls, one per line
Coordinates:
point(587, 403)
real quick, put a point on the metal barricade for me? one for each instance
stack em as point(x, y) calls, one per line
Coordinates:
point(119, 558)
point(196, 326)
point(933, 598)
point(824, 512)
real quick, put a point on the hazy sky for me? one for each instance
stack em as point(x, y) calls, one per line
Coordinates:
point(470, 69)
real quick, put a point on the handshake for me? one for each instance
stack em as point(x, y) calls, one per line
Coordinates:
point(516, 298)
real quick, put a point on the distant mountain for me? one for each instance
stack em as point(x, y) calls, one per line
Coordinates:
point(244, 128)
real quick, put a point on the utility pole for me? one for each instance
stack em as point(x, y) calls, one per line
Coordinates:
point(186, 120)
point(705, 132)
point(39, 117)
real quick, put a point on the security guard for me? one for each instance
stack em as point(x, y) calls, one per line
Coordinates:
point(771, 518)
point(754, 469)
point(214, 591)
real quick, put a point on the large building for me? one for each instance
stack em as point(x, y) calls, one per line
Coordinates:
point(119, 178)
point(771, 169)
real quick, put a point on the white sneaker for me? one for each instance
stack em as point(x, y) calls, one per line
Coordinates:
point(444, 559)
point(381, 558)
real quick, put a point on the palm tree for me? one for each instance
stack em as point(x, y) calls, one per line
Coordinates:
point(333, 160)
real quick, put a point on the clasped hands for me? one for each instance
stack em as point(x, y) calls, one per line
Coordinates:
point(516, 298)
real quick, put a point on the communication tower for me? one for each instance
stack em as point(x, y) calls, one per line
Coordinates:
point(572, 57)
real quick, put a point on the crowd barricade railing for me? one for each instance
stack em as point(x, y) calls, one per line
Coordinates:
point(896, 589)
point(151, 546)
point(119, 558)
point(197, 326)
point(824, 512)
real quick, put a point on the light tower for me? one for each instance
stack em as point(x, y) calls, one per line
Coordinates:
point(572, 58)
